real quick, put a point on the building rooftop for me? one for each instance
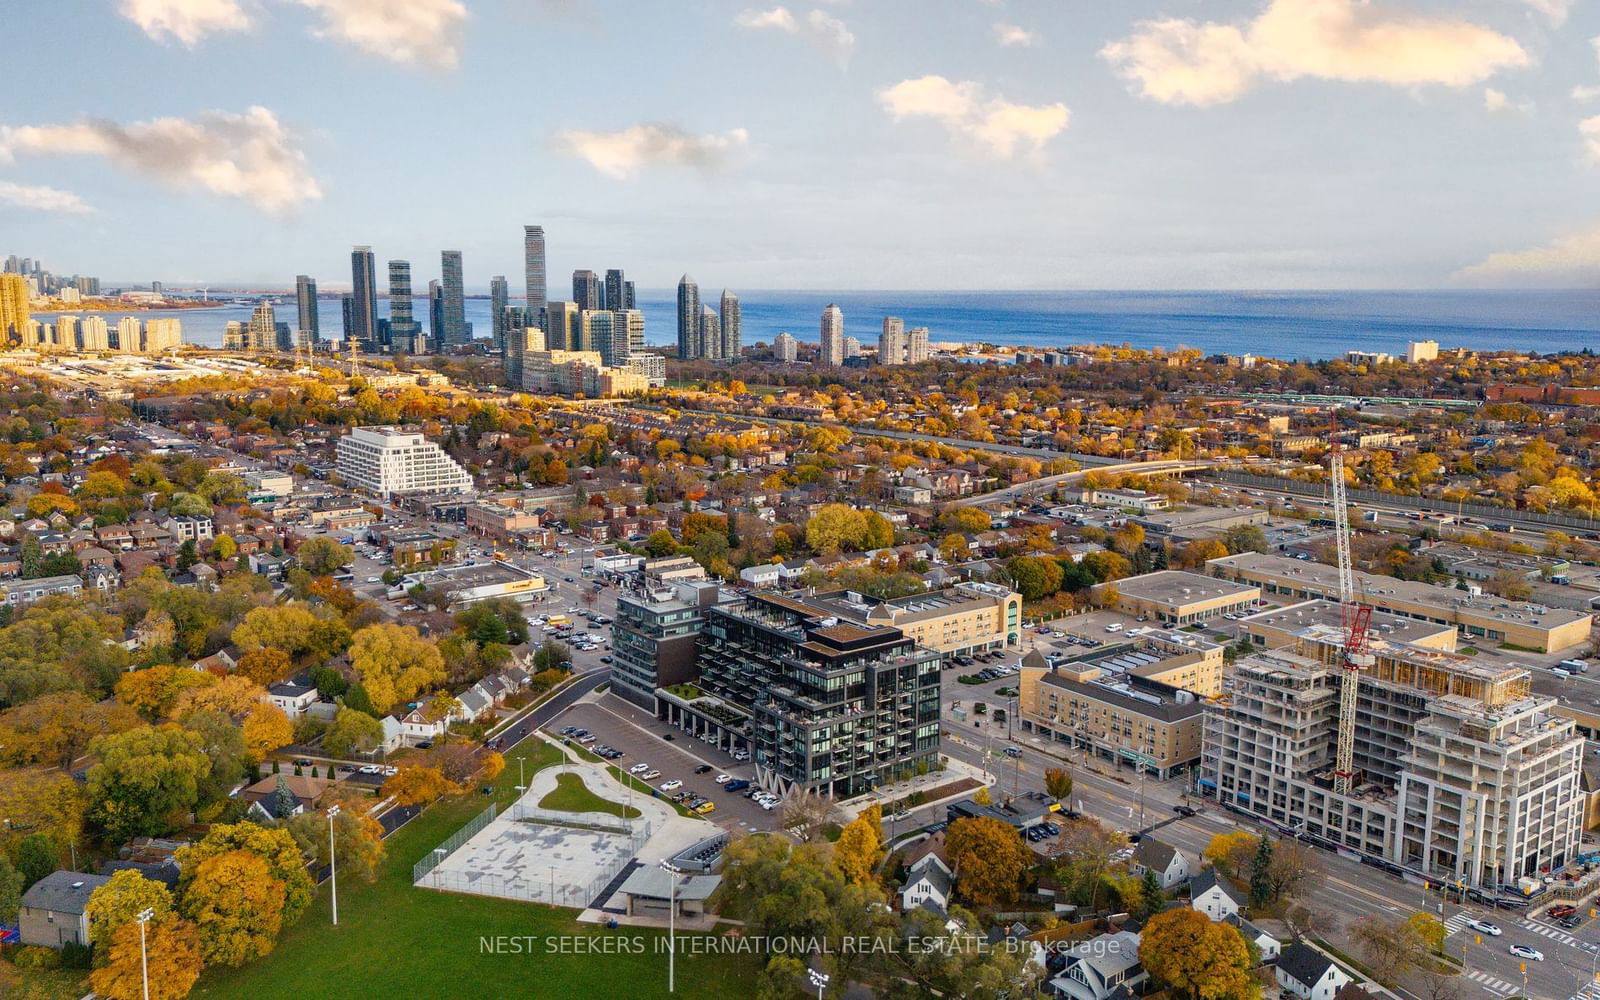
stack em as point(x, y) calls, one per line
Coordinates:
point(63, 892)
point(1323, 578)
point(1294, 617)
point(1158, 701)
point(464, 577)
point(1175, 587)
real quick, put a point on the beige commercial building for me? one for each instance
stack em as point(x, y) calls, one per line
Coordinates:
point(1492, 619)
point(1117, 715)
point(1174, 597)
point(496, 521)
point(967, 618)
point(1280, 627)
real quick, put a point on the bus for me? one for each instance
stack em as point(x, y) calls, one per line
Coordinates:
point(556, 621)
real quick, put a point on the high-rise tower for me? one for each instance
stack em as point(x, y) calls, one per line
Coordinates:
point(499, 298)
point(832, 336)
point(616, 290)
point(892, 341)
point(305, 297)
point(533, 261)
point(688, 319)
point(730, 326)
point(586, 290)
point(364, 297)
point(455, 302)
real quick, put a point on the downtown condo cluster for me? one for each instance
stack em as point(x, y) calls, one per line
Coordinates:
point(896, 344)
point(705, 333)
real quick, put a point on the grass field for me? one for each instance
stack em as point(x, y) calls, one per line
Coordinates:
point(42, 984)
point(572, 795)
point(394, 939)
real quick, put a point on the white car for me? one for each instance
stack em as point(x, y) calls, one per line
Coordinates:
point(723, 779)
point(651, 775)
point(1114, 627)
point(1523, 951)
point(1484, 927)
point(671, 786)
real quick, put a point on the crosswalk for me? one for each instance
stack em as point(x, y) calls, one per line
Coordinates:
point(1498, 987)
point(1553, 933)
point(1590, 992)
point(1456, 922)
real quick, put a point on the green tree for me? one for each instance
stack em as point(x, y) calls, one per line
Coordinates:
point(10, 891)
point(147, 781)
point(320, 555)
point(660, 543)
point(37, 857)
point(1261, 874)
point(351, 732)
point(1034, 576)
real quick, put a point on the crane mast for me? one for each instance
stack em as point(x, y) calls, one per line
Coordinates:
point(1355, 618)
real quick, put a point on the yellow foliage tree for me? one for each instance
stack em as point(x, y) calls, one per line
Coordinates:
point(237, 905)
point(233, 696)
point(154, 691)
point(415, 786)
point(38, 801)
point(395, 663)
point(1231, 853)
point(856, 851)
point(169, 951)
point(266, 729)
point(1196, 957)
point(987, 858)
point(118, 901)
point(493, 764)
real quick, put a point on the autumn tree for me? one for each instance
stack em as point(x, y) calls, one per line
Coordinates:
point(1196, 957)
point(154, 691)
point(118, 901)
point(808, 815)
point(1389, 946)
point(10, 891)
point(859, 845)
point(276, 849)
point(167, 955)
point(55, 729)
point(1034, 576)
point(835, 528)
point(266, 665)
point(357, 839)
point(265, 729)
point(1085, 857)
point(38, 801)
point(987, 858)
point(1230, 853)
point(238, 906)
point(395, 663)
point(320, 555)
point(233, 696)
point(415, 786)
point(1058, 783)
point(147, 781)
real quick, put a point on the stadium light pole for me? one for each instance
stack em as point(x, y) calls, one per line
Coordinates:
point(819, 980)
point(672, 923)
point(143, 917)
point(333, 869)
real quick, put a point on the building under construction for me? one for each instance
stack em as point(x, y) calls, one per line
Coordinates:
point(1460, 773)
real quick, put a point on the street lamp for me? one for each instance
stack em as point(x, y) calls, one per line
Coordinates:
point(819, 980)
point(143, 917)
point(672, 924)
point(333, 870)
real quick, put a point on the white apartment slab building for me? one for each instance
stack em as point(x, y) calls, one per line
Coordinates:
point(386, 461)
point(1464, 774)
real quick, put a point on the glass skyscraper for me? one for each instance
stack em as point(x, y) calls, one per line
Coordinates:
point(305, 295)
point(364, 296)
point(455, 301)
point(533, 261)
point(499, 298)
point(688, 319)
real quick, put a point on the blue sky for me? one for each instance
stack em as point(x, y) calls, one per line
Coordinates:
point(828, 145)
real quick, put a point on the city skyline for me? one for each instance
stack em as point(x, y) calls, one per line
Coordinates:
point(1014, 147)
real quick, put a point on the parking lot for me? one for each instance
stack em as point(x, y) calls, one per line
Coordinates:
point(615, 723)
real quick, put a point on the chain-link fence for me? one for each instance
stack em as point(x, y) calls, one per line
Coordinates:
point(444, 850)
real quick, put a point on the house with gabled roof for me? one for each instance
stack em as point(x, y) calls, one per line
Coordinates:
point(1307, 973)
point(1212, 895)
point(1171, 865)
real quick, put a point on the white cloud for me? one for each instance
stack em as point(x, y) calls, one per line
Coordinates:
point(1497, 102)
point(1589, 129)
point(249, 156)
point(823, 31)
point(1585, 93)
point(188, 21)
point(1177, 61)
point(1012, 34)
point(623, 153)
point(1555, 10)
point(1568, 262)
point(995, 124)
point(43, 199)
point(413, 32)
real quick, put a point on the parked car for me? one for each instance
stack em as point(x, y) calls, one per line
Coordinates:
point(668, 786)
point(1563, 910)
point(704, 769)
point(650, 775)
point(736, 785)
point(722, 779)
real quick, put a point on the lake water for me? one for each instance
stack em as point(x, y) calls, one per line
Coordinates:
point(1309, 325)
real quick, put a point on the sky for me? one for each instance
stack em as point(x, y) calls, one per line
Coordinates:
point(829, 144)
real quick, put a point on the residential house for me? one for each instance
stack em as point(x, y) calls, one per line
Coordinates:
point(929, 882)
point(189, 528)
point(293, 698)
point(1269, 946)
point(1100, 967)
point(300, 793)
point(1307, 973)
point(415, 727)
point(53, 909)
point(1212, 895)
point(1171, 865)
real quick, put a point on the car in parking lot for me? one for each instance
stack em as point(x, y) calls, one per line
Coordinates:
point(673, 785)
point(704, 769)
point(1562, 910)
point(650, 775)
point(1570, 922)
point(1523, 951)
point(722, 779)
